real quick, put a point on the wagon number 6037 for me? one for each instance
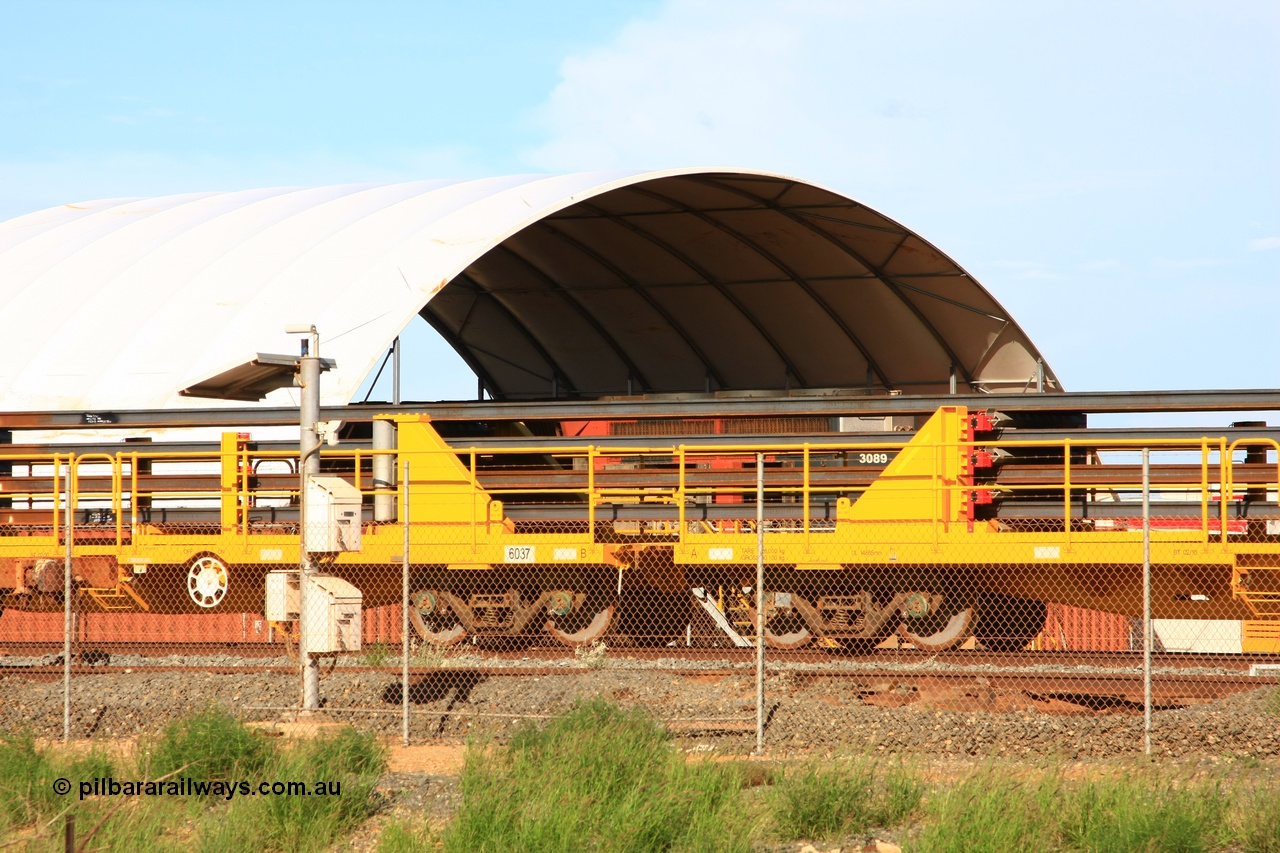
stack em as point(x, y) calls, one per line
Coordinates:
point(519, 554)
point(873, 458)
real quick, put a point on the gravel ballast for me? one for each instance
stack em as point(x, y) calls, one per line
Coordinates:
point(807, 711)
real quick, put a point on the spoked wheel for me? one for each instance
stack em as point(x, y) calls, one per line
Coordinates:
point(435, 616)
point(941, 625)
point(579, 619)
point(207, 581)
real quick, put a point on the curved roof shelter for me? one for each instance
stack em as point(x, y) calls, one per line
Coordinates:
point(580, 285)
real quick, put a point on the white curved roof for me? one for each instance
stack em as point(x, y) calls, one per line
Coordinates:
point(584, 285)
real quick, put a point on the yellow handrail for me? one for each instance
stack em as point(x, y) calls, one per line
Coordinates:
point(806, 497)
point(72, 480)
point(1066, 493)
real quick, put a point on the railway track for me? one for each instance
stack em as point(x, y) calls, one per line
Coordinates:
point(1091, 689)
point(1093, 680)
point(953, 657)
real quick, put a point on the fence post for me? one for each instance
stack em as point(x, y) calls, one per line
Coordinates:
point(66, 604)
point(1146, 599)
point(759, 603)
point(404, 605)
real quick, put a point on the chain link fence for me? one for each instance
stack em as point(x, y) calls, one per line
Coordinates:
point(722, 585)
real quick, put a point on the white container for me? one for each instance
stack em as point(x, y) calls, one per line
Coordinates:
point(331, 620)
point(333, 516)
point(284, 596)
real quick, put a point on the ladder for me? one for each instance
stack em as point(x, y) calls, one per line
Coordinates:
point(117, 599)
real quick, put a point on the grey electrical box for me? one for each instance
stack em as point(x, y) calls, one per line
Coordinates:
point(284, 596)
point(893, 423)
point(331, 620)
point(333, 516)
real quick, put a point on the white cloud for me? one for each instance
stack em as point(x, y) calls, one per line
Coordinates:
point(880, 100)
point(806, 88)
point(1264, 243)
point(999, 130)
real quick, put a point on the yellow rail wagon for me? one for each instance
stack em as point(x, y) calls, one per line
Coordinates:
point(953, 532)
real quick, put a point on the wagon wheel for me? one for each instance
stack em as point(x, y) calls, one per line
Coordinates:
point(435, 617)
point(207, 580)
point(937, 627)
point(581, 619)
point(784, 627)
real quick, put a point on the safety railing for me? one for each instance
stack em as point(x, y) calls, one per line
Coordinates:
point(124, 487)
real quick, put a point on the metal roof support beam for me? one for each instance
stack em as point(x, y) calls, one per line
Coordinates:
point(482, 292)
point(483, 376)
point(792, 275)
point(579, 308)
point(630, 281)
point(880, 274)
point(823, 403)
point(711, 280)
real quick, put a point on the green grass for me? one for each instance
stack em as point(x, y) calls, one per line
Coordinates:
point(377, 654)
point(992, 811)
point(596, 779)
point(299, 823)
point(1138, 810)
point(1258, 820)
point(432, 655)
point(212, 746)
point(833, 799)
point(26, 775)
point(603, 779)
point(1144, 812)
point(401, 837)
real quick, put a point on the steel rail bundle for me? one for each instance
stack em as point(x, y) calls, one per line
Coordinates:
point(796, 403)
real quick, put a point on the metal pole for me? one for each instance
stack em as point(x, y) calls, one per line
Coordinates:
point(759, 604)
point(309, 466)
point(384, 470)
point(384, 438)
point(404, 606)
point(1146, 599)
point(1039, 375)
point(953, 379)
point(66, 609)
point(395, 371)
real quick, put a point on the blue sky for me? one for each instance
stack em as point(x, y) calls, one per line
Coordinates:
point(1109, 171)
